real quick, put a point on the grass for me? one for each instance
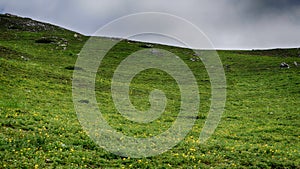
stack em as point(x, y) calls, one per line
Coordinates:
point(40, 129)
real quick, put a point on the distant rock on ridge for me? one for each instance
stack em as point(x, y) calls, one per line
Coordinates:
point(13, 22)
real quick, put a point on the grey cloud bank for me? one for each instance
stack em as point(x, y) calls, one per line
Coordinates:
point(229, 24)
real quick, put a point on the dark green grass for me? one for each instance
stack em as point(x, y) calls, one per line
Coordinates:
point(39, 126)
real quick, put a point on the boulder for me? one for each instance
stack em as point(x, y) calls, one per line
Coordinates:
point(284, 65)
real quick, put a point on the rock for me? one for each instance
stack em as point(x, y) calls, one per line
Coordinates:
point(25, 58)
point(64, 40)
point(193, 59)
point(48, 160)
point(146, 46)
point(10, 15)
point(284, 65)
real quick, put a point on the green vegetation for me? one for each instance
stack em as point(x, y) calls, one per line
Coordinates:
point(39, 126)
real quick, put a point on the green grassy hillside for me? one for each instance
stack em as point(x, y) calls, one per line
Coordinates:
point(39, 126)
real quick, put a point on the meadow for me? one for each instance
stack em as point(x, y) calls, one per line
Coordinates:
point(40, 129)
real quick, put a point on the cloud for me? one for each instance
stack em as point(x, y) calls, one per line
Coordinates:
point(228, 23)
point(267, 23)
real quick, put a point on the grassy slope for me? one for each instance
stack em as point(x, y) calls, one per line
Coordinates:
point(39, 127)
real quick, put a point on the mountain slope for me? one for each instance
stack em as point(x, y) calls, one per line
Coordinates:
point(39, 126)
point(13, 22)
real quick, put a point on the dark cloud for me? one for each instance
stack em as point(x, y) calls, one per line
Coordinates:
point(269, 6)
point(257, 9)
point(228, 23)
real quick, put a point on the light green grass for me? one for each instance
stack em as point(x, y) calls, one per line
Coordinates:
point(39, 126)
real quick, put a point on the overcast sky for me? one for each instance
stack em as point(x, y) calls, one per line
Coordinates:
point(239, 24)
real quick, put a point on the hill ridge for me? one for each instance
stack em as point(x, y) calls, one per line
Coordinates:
point(14, 22)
